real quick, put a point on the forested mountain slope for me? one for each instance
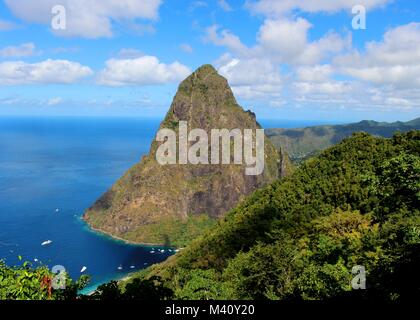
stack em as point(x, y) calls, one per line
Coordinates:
point(302, 143)
point(357, 203)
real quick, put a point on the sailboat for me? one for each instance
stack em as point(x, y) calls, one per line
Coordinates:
point(46, 242)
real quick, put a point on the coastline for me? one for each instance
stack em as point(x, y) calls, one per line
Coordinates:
point(90, 290)
point(107, 234)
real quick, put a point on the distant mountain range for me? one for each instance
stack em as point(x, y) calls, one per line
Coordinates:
point(303, 143)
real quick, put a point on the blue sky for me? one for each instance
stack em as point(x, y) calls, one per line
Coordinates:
point(284, 59)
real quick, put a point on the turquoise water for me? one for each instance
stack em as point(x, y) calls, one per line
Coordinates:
point(66, 164)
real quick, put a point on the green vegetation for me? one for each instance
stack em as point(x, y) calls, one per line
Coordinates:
point(300, 237)
point(150, 289)
point(26, 282)
point(356, 204)
point(303, 143)
point(173, 232)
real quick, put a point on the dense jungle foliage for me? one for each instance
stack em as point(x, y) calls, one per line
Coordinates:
point(356, 204)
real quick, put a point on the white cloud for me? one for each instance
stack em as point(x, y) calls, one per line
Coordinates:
point(283, 41)
point(317, 73)
point(395, 60)
point(287, 41)
point(45, 72)
point(283, 7)
point(6, 25)
point(260, 92)
point(89, 19)
point(60, 50)
point(284, 37)
point(224, 5)
point(254, 72)
point(129, 53)
point(23, 50)
point(323, 48)
point(386, 74)
point(186, 48)
point(54, 101)
point(249, 72)
point(383, 76)
point(146, 70)
point(400, 45)
point(138, 29)
point(197, 5)
point(354, 95)
point(399, 76)
point(329, 87)
point(251, 79)
point(226, 39)
point(325, 72)
point(13, 100)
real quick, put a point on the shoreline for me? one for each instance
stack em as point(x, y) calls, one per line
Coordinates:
point(119, 280)
point(103, 233)
point(107, 234)
point(128, 276)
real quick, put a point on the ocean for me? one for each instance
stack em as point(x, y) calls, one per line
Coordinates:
point(51, 170)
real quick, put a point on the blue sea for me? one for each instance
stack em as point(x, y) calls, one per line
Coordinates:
point(51, 170)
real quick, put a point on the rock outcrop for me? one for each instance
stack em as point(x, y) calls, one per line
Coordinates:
point(163, 204)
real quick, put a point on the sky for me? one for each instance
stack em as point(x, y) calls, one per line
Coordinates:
point(342, 60)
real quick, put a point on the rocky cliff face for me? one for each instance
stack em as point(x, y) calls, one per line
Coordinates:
point(154, 203)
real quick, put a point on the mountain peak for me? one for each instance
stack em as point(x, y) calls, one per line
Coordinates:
point(205, 79)
point(156, 204)
point(205, 99)
point(205, 69)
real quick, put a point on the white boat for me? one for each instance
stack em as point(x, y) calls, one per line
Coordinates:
point(162, 251)
point(83, 269)
point(35, 259)
point(132, 267)
point(57, 210)
point(120, 267)
point(152, 251)
point(46, 242)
